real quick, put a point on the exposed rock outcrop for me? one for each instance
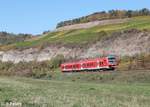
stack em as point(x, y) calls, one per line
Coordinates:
point(128, 42)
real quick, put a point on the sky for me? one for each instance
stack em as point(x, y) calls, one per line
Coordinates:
point(36, 16)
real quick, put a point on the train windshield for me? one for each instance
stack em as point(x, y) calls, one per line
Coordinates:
point(111, 59)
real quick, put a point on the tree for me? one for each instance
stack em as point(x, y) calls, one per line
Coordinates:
point(144, 11)
point(129, 13)
point(112, 14)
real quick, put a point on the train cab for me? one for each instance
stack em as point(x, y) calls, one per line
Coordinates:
point(112, 61)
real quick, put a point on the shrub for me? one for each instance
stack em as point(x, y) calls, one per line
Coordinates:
point(56, 61)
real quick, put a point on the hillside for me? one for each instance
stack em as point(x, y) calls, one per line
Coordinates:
point(39, 59)
point(105, 15)
point(93, 24)
point(10, 38)
point(124, 39)
point(83, 36)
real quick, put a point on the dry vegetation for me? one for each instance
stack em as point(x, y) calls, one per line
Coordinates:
point(68, 93)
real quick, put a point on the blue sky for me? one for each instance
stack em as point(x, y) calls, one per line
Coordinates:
point(36, 16)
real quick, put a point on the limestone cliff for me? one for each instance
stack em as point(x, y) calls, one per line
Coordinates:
point(129, 42)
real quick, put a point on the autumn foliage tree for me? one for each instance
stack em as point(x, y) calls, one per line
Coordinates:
point(103, 15)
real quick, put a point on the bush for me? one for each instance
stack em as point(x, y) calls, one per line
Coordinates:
point(56, 61)
point(31, 69)
point(139, 61)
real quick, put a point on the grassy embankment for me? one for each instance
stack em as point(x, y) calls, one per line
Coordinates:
point(66, 93)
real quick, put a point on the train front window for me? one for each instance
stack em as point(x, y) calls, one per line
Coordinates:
point(111, 60)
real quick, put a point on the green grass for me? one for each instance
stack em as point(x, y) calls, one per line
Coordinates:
point(67, 93)
point(86, 35)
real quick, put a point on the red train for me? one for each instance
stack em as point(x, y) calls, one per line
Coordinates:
point(97, 64)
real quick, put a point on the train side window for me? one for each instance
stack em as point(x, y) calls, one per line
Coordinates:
point(66, 67)
point(84, 65)
point(94, 64)
point(101, 63)
point(91, 64)
point(63, 67)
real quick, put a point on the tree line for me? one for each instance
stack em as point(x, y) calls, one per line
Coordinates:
point(9, 38)
point(103, 15)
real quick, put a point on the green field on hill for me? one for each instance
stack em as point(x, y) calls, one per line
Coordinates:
point(83, 36)
point(64, 90)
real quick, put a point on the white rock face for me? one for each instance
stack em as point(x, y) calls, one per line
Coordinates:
point(33, 54)
point(124, 43)
point(130, 43)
